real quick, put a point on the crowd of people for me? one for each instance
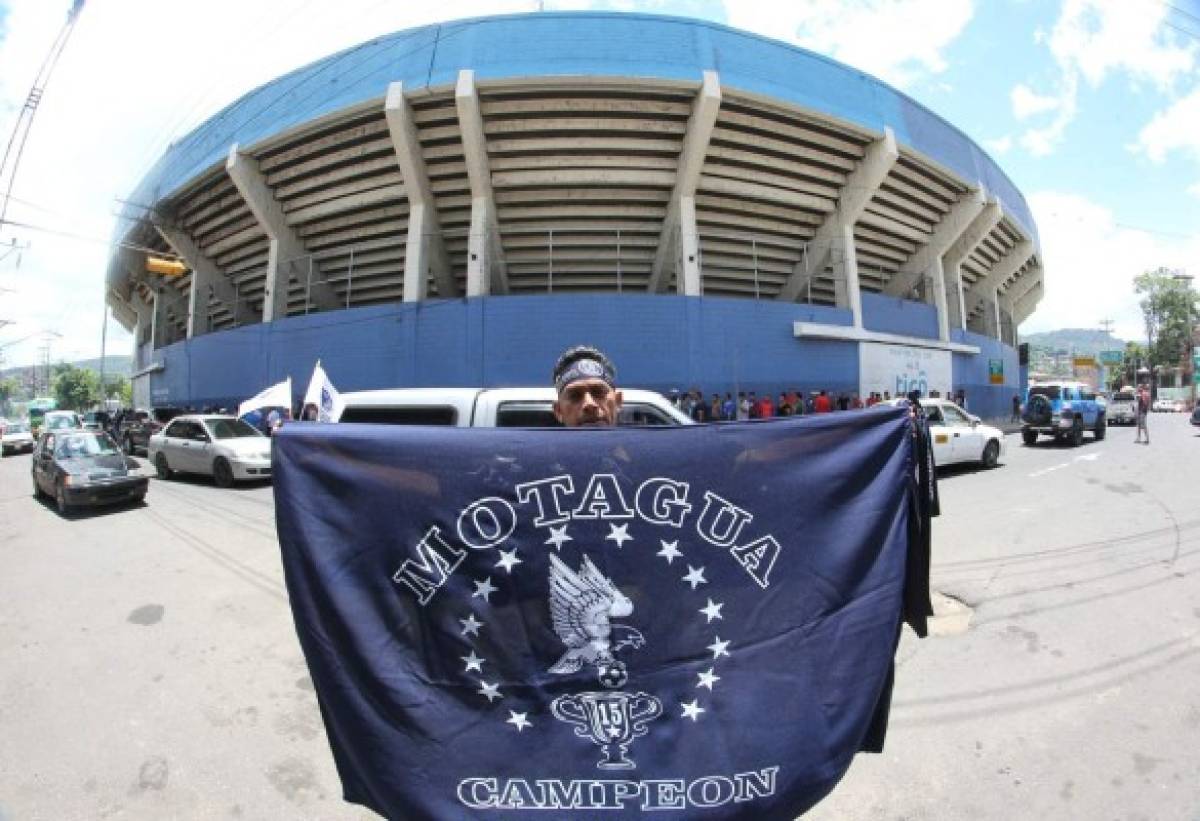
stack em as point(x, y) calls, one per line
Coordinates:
point(750, 405)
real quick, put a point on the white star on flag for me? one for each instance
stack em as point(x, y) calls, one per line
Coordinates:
point(712, 611)
point(558, 535)
point(509, 560)
point(470, 625)
point(670, 550)
point(489, 691)
point(484, 588)
point(718, 648)
point(692, 709)
point(518, 720)
point(618, 534)
point(695, 577)
point(707, 679)
point(474, 662)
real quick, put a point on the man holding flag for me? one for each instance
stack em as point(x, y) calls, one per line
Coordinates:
point(496, 626)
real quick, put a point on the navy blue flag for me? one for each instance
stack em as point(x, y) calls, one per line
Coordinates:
point(698, 622)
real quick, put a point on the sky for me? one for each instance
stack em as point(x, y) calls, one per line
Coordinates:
point(1092, 107)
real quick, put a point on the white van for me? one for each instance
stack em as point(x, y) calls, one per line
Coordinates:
point(492, 407)
point(1122, 407)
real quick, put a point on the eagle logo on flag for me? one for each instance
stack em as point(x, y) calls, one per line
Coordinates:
point(582, 606)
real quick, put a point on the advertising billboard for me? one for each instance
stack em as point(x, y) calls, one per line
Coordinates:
point(898, 369)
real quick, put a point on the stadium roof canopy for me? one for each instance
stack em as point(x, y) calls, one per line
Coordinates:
point(571, 152)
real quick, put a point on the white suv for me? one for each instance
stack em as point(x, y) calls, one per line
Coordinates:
point(491, 407)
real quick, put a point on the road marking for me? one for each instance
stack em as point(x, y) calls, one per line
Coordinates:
point(1051, 469)
point(1087, 457)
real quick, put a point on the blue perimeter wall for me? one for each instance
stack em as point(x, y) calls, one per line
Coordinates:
point(659, 342)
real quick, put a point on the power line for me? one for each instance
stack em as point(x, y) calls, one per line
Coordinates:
point(71, 235)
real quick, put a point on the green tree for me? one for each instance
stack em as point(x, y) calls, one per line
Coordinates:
point(75, 388)
point(9, 388)
point(120, 388)
point(1169, 307)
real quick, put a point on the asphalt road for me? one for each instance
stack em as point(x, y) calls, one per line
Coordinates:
point(149, 668)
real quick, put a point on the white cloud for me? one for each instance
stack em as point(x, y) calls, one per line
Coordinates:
point(1026, 102)
point(1090, 262)
point(899, 41)
point(1175, 129)
point(1091, 40)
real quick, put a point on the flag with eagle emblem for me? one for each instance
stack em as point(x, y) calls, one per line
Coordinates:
point(698, 622)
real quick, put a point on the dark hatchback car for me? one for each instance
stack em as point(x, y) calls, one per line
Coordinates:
point(84, 468)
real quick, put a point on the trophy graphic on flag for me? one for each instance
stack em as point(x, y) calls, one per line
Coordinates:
point(610, 719)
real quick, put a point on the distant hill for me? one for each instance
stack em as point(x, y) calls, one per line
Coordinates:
point(1079, 340)
point(113, 364)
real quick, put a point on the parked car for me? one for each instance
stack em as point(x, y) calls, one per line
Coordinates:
point(1063, 410)
point(1122, 407)
point(61, 420)
point(138, 426)
point(1195, 420)
point(83, 467)
point(224, 447)
point(1163, 406)
point(15, 438)
point(959, 437)
point(96, 420)
point(492, 407)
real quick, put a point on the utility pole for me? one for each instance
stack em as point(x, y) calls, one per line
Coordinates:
point(1107, 326)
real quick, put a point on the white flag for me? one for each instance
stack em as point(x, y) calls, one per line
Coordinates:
point(323, 396)
point(276, 396)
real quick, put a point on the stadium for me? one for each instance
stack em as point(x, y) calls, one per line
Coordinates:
point(455, 204)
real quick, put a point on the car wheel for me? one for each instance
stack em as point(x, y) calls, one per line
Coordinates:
point(1077, 434)
point(60, 500)
point(1029, 437)
point(1101, 429)
point(161, 467)
point(222, 472)
point(991, 454)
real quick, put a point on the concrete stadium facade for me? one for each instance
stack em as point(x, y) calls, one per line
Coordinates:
point(454, 204)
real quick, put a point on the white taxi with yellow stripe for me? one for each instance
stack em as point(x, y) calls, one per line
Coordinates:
point(959, 436)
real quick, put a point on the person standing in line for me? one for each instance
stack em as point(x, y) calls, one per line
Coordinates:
point(1016, 408)
point(822, 404)
point(743, 408)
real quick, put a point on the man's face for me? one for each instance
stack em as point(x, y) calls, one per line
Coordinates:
point(587, 402)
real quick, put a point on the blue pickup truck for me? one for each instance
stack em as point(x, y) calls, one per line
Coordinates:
point(1063, 410)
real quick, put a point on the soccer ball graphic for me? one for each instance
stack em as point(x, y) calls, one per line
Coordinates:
point(612, 673)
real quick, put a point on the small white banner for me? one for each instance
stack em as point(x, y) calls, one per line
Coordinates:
point(276, 396)
point(322, 396)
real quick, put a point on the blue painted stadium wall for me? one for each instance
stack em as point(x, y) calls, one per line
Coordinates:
point(972, 374)
point(657, 341)
point(580, 44)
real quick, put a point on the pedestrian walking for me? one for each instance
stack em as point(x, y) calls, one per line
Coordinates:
point(1016, 408)
point(1143, 410)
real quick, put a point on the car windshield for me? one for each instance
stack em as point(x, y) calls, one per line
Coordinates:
point(16, 427)
point(1048, 391)
point(84, 444)
point(60, 422)
point(230, 429)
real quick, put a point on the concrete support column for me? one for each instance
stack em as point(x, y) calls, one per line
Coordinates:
point(688, 276)
point(938, 287)
point(275, 287)
point(143, 331)
point(207, 281)
point(845, 273)
point(424, 247)
point(995, 306)
point(483, 201)
point(958, 311)
point(478, 262)
point(416, 252)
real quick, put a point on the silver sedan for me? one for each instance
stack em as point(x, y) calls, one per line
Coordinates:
point(224, 447)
